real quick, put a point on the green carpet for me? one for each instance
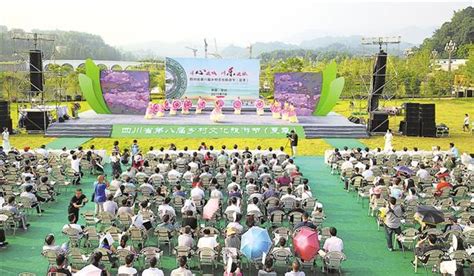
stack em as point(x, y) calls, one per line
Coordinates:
point(68, 142)
point(341, 142)
point(364, 245)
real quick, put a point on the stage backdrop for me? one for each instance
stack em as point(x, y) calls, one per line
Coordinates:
point(126, 92)
point(209, 78)
point(301, 89)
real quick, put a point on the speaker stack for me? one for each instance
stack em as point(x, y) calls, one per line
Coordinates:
point(37, 121)
point(378, 80)
point(5, 119)
point(427, 120)
point(469, 93)
point(36, 71)
point(378, 122)
point(412, 119)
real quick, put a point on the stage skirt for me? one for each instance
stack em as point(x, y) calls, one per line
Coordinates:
point(260, 111)
point(276, 115)
point(172, 112)
point(237, 111)
point(198, 111)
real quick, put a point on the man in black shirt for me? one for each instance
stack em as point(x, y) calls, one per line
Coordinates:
point(293, 142)
point(77, 201)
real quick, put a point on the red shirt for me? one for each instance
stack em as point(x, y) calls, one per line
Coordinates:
point(441, 186)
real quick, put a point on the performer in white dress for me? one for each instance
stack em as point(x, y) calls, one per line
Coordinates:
point(388, 140)
point(6, 139)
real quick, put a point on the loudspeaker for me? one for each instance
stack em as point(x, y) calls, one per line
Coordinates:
point(5, 120)
point(460, 94)
point(412, 113)
point(378, 122)
point(469, 93)
point(36, 71)
point(373, 103)
point(401, 127)
point(37, 120)
point(428, 129)
point(378, 81)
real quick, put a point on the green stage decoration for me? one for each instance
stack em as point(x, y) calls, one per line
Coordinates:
point(88, 91)
point(204, 131)
point(93, 72)
point(335, 90)
point(329, 74)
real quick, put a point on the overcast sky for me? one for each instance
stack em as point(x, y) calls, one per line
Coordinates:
point(240, 22)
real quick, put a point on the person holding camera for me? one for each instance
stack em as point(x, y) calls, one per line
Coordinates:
point(293, 139)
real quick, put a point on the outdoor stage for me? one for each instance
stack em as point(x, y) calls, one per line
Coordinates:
point(246, 125)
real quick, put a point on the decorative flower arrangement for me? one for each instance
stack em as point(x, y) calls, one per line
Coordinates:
point(220, 102)
point(187, 104)
point(237, 104)
point(175, 105)
point(260, 105)
point(201, 104)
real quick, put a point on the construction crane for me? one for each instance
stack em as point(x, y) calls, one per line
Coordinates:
point(192, 49)
point(250, 50)
point(216, 53)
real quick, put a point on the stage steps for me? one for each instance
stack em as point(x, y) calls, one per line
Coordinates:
point(78, 130)
point(353, 131)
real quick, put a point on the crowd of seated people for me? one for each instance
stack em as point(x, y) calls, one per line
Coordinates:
point(397, 183)
point(194, 205)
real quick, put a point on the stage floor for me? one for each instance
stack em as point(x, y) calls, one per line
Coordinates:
point(246, 125)
point(91, 118)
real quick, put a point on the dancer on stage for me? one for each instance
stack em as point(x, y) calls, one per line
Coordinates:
point(237, 104)
point(6, 139)
point(201, 104)
point(175, 106)
point(260, 105)
point(187, 104)
point(292, 114)
point(388, 141)
point(276, 109)
point(149, 114)
point(216, 114)
point(160, 110)
point(284, 112)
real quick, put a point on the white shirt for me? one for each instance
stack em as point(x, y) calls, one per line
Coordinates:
point(152, 271)
point(29, 195)
point(185, 240)
point(466, 120)
point(174, 173)
point(346, 165)
point(75, 164)
point(422, 173)
point(127, 270)
point(197, 193)
point(368, 173)
point(295, 273)
point(333, 244)
point(216, 194)
point(166, 209)
point(253, 207)
point(181, 272)
point(232, 207)
point(42, 151)
point(110, 206)
point(207, 242)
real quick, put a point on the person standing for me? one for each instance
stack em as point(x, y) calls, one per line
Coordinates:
point(6, 139)
point(99, 193)
point(465, 126)
point(388, 141)
point(77, 202)
point(293, 137)
point(392, 222)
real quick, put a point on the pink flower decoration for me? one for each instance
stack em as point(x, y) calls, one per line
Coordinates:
point(166, 105)
point(259, 104)
point(237, 104)
point(201, 104)
point(220, 102)
point(187, 104)
point(160, 108)
point(176, 104)
point(154, 108)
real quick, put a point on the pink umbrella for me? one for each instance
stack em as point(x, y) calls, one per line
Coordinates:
point(210, 208)
point(306, 243)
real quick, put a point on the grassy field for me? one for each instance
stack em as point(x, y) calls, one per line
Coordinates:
point(448, 111)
